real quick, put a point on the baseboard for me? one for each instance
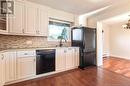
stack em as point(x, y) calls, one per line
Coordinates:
point(122, 57)
point(106, 55)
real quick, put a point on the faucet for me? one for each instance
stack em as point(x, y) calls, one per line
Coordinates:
point(61, 44)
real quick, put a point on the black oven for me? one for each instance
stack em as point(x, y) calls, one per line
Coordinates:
point(45, 61)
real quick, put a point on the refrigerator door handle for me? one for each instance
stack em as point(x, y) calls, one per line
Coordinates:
point(83, 44)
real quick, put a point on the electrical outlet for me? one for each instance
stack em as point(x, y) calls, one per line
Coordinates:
point(29, 42)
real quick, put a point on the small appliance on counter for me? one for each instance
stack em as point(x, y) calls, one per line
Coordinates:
point(85, 38)
point(45, 61)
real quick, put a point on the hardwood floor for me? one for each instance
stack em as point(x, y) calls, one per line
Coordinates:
point(91, 76)
point(118, 65)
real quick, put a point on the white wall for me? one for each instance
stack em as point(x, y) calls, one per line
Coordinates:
point(119, 41)
point(99, 44)
point(116, 41)
point(106, 47)
point(112, 11)
point(61, 15)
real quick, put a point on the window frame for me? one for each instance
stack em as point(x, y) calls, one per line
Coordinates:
point(60, 21)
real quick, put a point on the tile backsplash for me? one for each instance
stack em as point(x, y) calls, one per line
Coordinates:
point(11, 42)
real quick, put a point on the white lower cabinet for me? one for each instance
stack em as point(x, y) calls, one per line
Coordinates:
point(76, 56)
point(10, 66)
point(2, 80)
point(60, 59)
point(7, 67)
point(70, 59)
point(67, 58)
point(26, 67)
point(20, 65)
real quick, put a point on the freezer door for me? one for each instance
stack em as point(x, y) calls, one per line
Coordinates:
point(77, 35)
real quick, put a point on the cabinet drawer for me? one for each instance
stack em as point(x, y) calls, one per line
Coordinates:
point(26, 53)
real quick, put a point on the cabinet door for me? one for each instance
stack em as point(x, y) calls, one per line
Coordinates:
point(10, 66)
point(70, 59)
point(76, 57)
point(26, 67)
point(16, 22)
point(31, 15)
point(3, 23)
point(42, 22)
point(2, 80)
point(60, 59)
point(1, 73)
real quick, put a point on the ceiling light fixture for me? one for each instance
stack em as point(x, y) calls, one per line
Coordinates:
point(127, 25)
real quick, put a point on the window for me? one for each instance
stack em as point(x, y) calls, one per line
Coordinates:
point(59, 30)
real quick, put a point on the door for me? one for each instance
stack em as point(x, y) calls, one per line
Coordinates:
point(42, 22)
point(17, 22)
point(26, 67)
point(70, 58)
point(10, 66)
point(31, 15)
point(61, 59)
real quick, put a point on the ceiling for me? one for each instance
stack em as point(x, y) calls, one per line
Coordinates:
point(120, 19)
point(77, 6)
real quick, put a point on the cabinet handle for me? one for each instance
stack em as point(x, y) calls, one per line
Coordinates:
point(2, 57)
point(38, 31)
point(25, 53)
point(34, 60)
point(69, 49)
point(75, 50)
point(23, 30)
point(65, 51)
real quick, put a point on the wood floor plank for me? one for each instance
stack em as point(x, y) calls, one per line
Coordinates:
point(91, 76)
point(117, 65)
point(111, 74)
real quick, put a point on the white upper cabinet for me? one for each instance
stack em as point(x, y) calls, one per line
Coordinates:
point(3, 25)
point(17, 22)
point(42, 28)
point(31, 18)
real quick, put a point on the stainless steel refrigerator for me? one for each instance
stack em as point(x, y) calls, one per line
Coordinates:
point(85, 38)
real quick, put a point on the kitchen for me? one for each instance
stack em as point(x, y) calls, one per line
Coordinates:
point(29, 49)
point(39, 41)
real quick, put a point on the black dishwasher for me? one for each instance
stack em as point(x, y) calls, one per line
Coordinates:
point(45, 61)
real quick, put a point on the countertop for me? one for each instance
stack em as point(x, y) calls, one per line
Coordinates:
point(34, 48)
